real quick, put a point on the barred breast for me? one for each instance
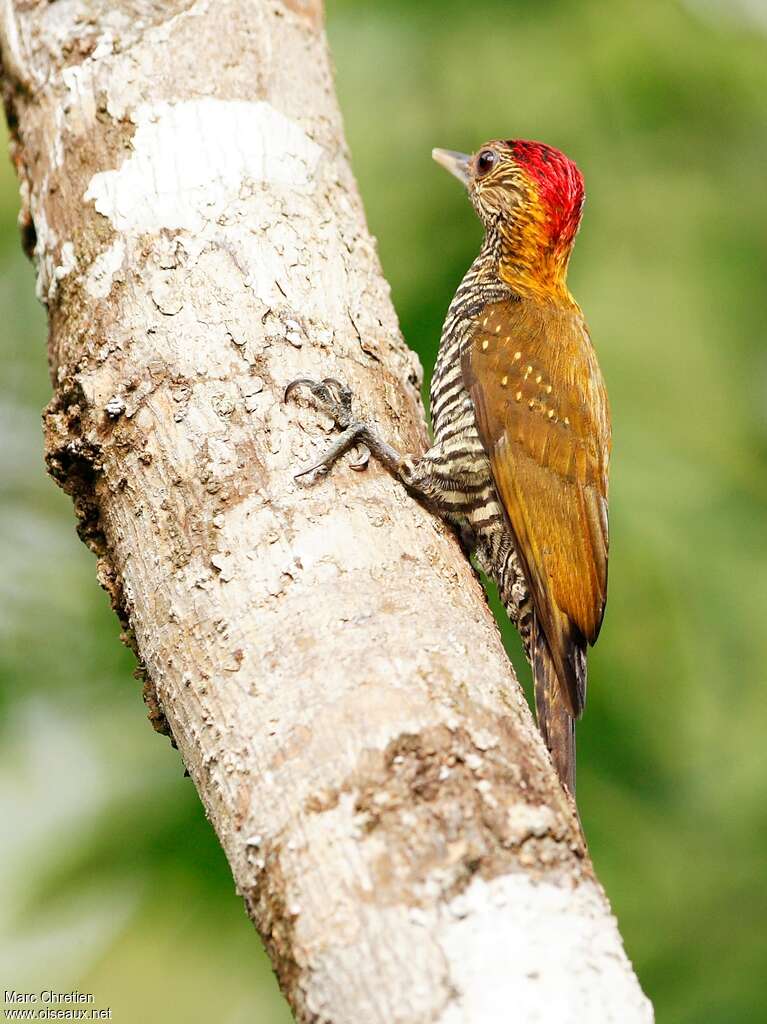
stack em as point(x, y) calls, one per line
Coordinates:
point(460, 461)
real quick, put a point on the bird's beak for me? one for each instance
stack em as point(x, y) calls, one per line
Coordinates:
point(457, 163)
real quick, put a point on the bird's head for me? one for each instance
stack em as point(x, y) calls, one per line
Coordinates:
point(529, 197)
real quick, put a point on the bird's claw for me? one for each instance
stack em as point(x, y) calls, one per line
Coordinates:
point(335, 399)
point(360, 464)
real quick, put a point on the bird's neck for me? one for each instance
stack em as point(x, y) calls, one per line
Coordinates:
point(526, 259)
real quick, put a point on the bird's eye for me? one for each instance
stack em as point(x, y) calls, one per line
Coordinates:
point(486, 162)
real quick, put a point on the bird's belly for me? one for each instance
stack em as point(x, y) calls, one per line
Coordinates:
point(473, 505)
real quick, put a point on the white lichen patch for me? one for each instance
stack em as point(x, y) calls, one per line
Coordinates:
point(45, 248)
point(115, 407)
point(192, 159)
point(555, 948)
point(68, 261)
point(166, 292)
point(524, 821)
point(98, 281)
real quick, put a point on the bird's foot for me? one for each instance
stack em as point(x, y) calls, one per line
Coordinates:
point(335, 399)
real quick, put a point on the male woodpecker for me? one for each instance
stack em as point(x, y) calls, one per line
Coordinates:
point(521, 423)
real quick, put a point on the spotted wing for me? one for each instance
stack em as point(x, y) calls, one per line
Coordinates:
point(543, 418)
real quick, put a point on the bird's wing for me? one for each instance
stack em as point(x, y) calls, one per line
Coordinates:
point(542, 416)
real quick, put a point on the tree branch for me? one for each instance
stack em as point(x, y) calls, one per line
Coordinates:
point(324, 656)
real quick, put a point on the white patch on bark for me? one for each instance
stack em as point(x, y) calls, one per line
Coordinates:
point(14, 58)
point(192, 159)
point(45, 246)
point(98, 281)
point(68, 261)
point(552, 946)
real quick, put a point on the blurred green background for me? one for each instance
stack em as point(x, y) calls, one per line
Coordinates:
point(111, 878)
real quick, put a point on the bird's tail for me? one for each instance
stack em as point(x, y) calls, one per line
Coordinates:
point(554, 720)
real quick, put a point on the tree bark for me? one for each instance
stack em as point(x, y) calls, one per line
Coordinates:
point(324, 655)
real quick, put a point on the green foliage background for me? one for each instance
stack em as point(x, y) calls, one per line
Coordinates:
point(111, 878)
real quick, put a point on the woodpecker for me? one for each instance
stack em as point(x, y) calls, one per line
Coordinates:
point(521, 423)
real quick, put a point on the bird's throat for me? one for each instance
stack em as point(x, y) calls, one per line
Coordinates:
point(533, 264)
point(530, 249)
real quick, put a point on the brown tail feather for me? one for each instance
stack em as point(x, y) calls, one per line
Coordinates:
point(555, 722)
